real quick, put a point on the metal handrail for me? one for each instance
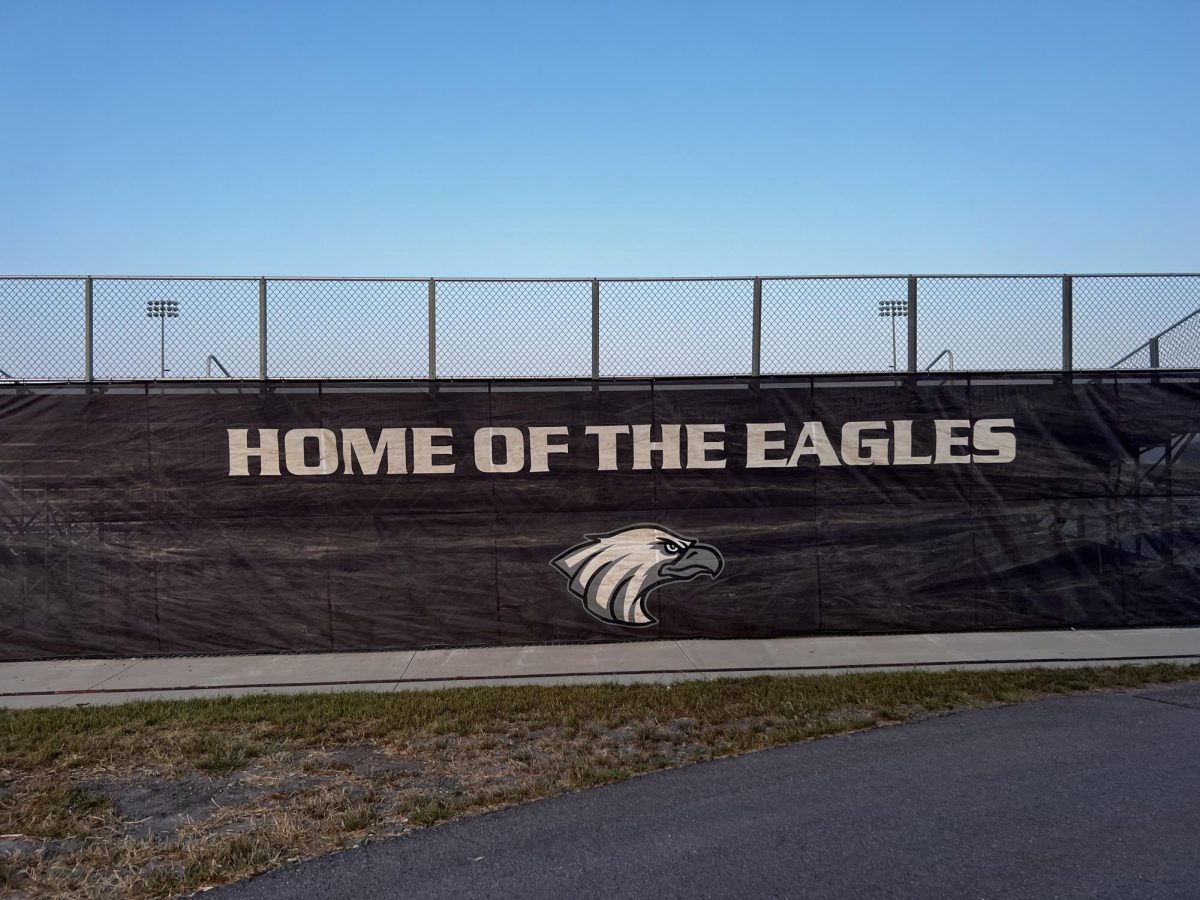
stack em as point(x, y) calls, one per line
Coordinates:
point(947, 352)
point(1152, 344)
point(208, 364)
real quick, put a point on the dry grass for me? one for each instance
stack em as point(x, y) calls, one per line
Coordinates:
point(159, 799)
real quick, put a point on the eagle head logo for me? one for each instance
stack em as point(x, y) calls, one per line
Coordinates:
point(614, 573)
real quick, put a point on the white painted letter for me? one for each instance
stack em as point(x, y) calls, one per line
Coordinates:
point(853, 444)
point(813, 441)
point(757, 445)
point(424, 450)
point(514, 450)
point(668, 446)
point(240, 451)
point(606, 444)
point(902, 430)
point(987, 438)
point(356, 444)
point(946, 440)
point(698, 447)
point(540, 447)
point(327, 453)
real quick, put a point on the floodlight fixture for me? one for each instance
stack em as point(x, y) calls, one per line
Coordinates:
point(893, 309)
point(162, 310)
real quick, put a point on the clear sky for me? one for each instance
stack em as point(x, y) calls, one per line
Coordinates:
point(599, 138)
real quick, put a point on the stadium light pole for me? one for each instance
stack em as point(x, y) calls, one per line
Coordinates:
point(893, 309)
point(162, 310)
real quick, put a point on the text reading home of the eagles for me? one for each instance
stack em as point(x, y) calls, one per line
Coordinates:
point(413, 450)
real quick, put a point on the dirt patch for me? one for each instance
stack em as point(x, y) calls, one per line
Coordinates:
point(374, 762)
point(158, 807)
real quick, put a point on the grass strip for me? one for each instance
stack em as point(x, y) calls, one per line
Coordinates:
point(158, 799)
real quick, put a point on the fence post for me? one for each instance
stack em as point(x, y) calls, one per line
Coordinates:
point(1068, 323)
point(432, 329)
point(262, 329)
point(912, 324)
point(1154, 353)
point(756, 330)
point(595, 328)
point(87, 329)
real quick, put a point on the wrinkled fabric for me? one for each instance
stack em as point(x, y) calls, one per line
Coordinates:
point(123, 533)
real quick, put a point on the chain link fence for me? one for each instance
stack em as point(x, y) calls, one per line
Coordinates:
point(991, 323)
point(832, 325)
point(42, 330)
point(94, 328)
point(217, 317)
point(1113, 311)
point(676, 327)
point(513, 328)
point(343, 328)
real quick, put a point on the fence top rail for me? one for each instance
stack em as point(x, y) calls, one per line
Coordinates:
point(586, 279)
point(1070, 275)
point(981, 375)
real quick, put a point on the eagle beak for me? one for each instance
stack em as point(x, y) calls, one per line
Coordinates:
point(699, 559)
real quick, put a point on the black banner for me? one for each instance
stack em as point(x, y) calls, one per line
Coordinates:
point(201, 517)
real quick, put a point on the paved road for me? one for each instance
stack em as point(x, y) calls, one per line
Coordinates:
point(1091, 796)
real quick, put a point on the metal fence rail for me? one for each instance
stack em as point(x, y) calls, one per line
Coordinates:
point(135, 327)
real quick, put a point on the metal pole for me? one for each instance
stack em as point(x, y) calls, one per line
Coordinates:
point(262, 329)
point(912, 323)
point(756, 330)
point(893, 318)
point(162, 345)
point(1068, 321)
point(87, 328)
point(595, 328)
point(1154, 353)
point(432, 329)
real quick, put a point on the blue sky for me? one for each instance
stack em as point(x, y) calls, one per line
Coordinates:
point(598, 138)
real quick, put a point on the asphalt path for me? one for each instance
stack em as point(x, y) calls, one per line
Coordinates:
point(1091, 796)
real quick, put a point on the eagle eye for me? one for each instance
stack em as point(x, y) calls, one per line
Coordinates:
point(671, 546)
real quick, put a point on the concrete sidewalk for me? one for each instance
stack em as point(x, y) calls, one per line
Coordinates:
point(77, 682)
